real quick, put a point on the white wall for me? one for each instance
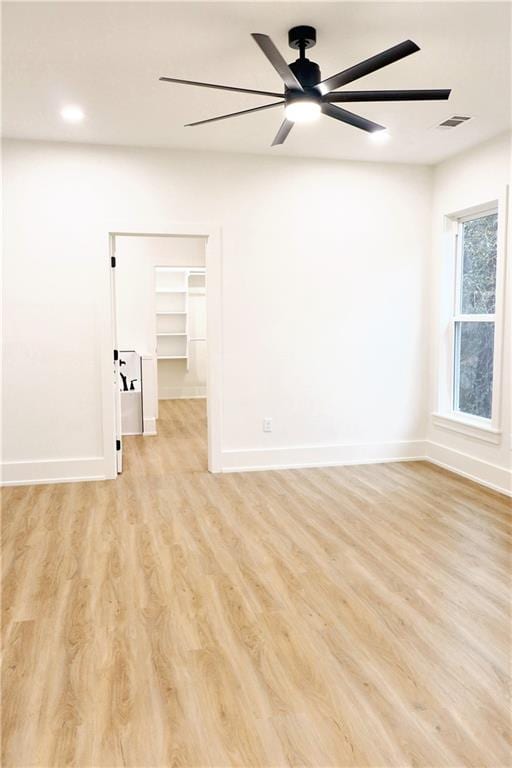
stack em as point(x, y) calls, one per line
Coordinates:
point(324, 300)
point(470, 179)
point(137, 258)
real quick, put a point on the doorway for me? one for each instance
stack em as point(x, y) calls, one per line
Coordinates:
point(162, 315)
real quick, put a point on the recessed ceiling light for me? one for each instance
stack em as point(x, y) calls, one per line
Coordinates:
point(380, 137)
point(72, 114)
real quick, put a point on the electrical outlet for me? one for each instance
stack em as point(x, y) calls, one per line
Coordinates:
point(267, 424)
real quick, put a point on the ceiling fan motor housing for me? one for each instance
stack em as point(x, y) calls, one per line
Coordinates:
point(307, 72)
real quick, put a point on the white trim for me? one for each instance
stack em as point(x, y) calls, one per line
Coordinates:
point(297, 457)
point(54, 471)
point(474, 318)
point(478, 429)
point(93, 469)
point(499, 310)
point(149, 427)
point(111, 399)
point(214, 332)
point(474, 211)
point(482, 472)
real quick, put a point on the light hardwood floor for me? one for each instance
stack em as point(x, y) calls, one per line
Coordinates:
point(354, 616)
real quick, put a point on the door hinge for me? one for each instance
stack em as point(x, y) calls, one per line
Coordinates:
point(118, 445)
point(116, 355)
point(112, 261)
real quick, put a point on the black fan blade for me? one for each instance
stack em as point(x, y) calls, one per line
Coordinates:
point(431, 95)
point(277, 61)
point(220, 87)
point(283, 132)
point(235, 114)
point(350, 118)
point(372, 64)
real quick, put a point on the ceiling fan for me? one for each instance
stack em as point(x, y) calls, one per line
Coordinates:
point(306, 95)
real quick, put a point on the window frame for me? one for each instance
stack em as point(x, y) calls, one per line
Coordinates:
point(446, 415)
point(459, 317)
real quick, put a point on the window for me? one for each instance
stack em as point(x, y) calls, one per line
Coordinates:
point(474, 314)
point(471, 294)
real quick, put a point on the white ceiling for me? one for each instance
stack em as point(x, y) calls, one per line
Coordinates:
point(107, 57)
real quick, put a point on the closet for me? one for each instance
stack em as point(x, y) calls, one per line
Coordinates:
point(180, 311)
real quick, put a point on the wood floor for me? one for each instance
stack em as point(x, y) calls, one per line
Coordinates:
point(354, 616)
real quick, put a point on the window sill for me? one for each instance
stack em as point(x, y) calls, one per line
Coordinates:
point(476, 429)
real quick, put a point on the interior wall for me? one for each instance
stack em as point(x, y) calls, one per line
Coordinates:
point(137, 258)
point(479, 176)
point(324, 297)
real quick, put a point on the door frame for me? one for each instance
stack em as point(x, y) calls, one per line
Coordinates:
point(213, 262)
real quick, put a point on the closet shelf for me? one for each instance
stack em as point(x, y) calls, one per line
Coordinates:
point(171, 313)
point(174, 290)
point(171, 357)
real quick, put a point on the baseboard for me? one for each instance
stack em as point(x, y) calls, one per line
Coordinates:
point(53, 471)
point(150, 426)
point(94, 468)
point(181, 393)
point(299, 457)
point(483, 472)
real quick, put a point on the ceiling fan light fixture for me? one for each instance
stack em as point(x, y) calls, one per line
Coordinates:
point(302, 111)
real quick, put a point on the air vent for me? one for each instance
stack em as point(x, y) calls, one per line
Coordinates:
point(454, 121)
